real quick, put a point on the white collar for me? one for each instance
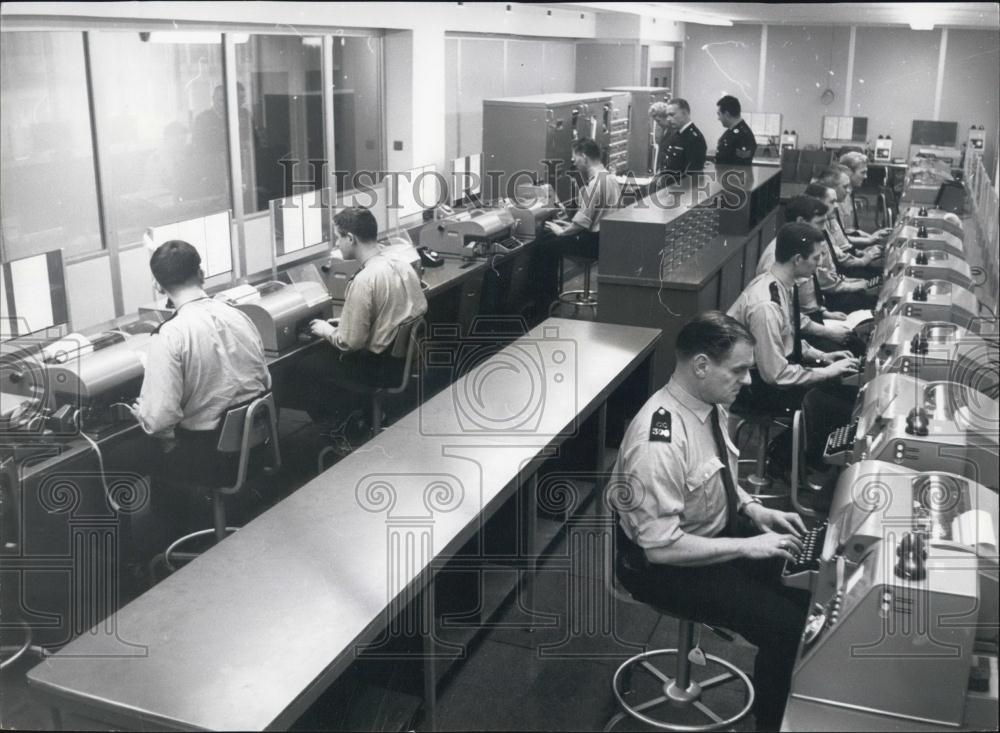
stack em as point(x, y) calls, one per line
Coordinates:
point(685, 127)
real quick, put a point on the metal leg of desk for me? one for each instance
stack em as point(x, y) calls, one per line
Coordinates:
point(430, 663)
point(602, 440)
point(530, 524)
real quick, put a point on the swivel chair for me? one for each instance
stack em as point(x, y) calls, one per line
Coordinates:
point(404, 347)
point(243, 428)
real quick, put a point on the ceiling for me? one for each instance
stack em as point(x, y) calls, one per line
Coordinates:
point(951, 15)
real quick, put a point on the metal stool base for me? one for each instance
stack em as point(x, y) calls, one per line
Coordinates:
point(677, 697)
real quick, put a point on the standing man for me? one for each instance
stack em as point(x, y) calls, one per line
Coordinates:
point(682, 148)
point(689, 539)
point(737, 144)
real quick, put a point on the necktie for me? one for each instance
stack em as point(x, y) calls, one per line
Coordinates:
point(797, 325)
point(732, 501)
point(820, 298)
point(833, 250)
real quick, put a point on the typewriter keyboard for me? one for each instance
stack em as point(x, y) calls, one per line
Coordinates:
point(812, 546)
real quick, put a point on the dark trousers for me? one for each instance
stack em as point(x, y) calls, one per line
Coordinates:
point(332, 382)
point(848, 302)
point(181, 476)
point(743, 595)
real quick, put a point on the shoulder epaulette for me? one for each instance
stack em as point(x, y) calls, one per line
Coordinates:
point(775, 293)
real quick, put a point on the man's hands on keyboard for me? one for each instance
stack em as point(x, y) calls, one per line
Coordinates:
point(772, 544)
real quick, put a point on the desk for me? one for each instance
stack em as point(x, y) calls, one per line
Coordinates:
point(248, 635)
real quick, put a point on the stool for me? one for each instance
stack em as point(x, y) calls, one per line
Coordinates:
point(404, 346)
point(681, 690)
point(762, 423)
point(243, 428)
point(577, 298)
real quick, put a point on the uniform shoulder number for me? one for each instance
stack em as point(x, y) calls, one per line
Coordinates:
point(660, 426)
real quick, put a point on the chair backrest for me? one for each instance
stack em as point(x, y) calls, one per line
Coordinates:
point(789, 164)
point(811, 162)
point(798, 463)
point(245, 427)
point(404, 346)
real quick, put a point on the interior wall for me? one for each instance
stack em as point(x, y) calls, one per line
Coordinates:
point(719, 60)
point(971, 91)
point(894, 77)
point(798, 67)
point(895, 73)
point(480, 68)
point(600, 65)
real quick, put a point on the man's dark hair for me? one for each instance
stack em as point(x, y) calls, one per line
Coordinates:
point(175, 263)
point(808, 207)
point(796, 238)
point(730, 105)
point(712, 333)
point(682, 103)
point(817, 190)
point(587, 147)
point(357, 220)
point(831, 174)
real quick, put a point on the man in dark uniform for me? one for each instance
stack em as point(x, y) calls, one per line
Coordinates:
point(737, 144)
point(682, 152)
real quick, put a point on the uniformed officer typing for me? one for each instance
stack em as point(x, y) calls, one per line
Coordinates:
point(854, 259)
point(821, 327)
point(383, 294)
point(842, 293)
point(737, 144)
point(857, 165)
point(787, 369)
point(691, 541)
point(682, 146)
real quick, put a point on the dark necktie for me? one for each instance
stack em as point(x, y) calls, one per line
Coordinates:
point(732, 501)
point(820, 298)
point(797, 325)
point(833, 250)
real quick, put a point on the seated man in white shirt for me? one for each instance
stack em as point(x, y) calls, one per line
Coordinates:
point(205, 359)
point(598, 197)
point(384, 294)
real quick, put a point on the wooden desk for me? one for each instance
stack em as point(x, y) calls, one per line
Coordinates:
point(248, 635)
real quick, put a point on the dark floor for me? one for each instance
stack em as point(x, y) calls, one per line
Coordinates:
point(555, 676)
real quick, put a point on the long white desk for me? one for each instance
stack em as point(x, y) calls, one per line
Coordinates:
point(248, 635)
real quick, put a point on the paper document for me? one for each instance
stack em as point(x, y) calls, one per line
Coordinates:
point(856, 318)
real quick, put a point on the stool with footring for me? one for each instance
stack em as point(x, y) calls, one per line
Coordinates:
point(681, 689)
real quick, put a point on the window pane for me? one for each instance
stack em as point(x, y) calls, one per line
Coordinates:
point(161, 127)
point(356, 103)
point(283, 113)
point(48, 198)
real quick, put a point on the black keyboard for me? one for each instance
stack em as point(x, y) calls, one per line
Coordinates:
point(812, 547)
point(839, 442)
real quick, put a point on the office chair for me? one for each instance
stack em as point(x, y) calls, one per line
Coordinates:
point(811, 162)
point(405, 346)
point(682, 691)
point(798, 475)
point(789, 164)
point(243, 428)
